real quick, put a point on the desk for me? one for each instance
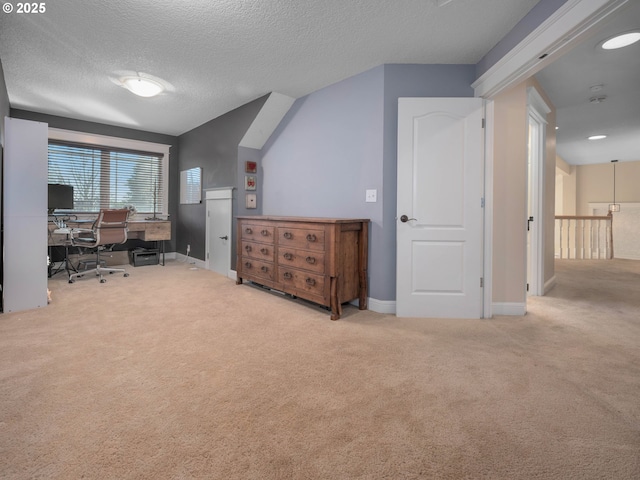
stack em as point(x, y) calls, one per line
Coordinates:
point(146, 230)
point(151, 231)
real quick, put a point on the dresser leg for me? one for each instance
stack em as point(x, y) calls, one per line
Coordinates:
point(362, 300)
point(239, 281)
point(336, 307)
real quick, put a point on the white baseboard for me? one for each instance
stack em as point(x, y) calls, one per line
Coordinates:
point(511, 309)
point(626, 257)
point(382, 306)
point(379, 306)
point(190, 260)
point(549, 284)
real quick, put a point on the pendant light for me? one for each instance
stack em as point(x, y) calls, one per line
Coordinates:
point(614, 207)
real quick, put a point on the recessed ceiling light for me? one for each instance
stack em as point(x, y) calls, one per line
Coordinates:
point(597, 137)
point(144, 87)
point(622, 40)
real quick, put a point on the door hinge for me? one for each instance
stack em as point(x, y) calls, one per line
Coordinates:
point(481, 282)
point(207, 255)
point(527, 287)
point(483, 123)
point(482, 202)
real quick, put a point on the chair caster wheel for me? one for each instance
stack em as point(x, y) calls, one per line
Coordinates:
point(102, 280)
point(126, 275)
point(71, 281)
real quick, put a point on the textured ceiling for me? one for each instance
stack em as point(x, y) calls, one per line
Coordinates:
point(218, 55)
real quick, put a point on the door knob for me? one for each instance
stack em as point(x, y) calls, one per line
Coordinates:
point(224, 238)
point(405, 219)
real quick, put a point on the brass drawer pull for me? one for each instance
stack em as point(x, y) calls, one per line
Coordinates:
point(248, 231)
point(264, 251)
point(311, 260)
point(287, 275)
point(310, 281)
point(288, 235)
point(264, 268)
point(247, 248)
point(311, 238)
point(264, 233)
point(288, 256)
point(247, 264)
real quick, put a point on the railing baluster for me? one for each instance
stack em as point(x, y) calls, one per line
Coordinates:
point(575, 242)
point(560, 241)
point(582, 246)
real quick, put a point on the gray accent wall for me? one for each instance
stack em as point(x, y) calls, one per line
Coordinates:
point(121, 132)
point(336, 143)
point(214, 147)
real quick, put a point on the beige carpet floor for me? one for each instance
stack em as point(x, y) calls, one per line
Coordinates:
point(175, 373)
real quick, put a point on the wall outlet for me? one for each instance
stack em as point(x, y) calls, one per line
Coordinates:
point(371, 196)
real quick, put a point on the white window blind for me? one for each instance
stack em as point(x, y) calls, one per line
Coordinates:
point(108, 177)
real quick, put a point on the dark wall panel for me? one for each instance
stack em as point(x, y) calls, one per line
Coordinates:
point(214, 147)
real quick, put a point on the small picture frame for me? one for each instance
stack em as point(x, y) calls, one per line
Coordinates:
point(250, 182)
point(251, 167)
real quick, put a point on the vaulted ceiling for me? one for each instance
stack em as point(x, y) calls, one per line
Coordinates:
point(218, 55)
point(214, 56)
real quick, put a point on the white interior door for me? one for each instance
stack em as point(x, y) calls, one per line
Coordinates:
point(219, 214)
point(440, 208)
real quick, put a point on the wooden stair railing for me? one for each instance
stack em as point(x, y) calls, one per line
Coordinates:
point(584, 237)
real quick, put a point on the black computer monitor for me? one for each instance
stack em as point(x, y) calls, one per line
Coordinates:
point(60, 197)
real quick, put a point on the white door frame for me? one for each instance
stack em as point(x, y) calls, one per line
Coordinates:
point(218, 194)
point(537, 110)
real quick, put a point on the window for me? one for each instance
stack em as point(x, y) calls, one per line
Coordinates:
point(108, 172)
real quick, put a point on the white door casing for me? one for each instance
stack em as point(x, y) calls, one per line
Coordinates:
point(440, 190)
point(537, 111)
point(218, 230)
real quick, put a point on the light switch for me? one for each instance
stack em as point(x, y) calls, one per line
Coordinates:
point(371, 196)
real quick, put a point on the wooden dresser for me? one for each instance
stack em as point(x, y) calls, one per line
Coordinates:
point(323, 260)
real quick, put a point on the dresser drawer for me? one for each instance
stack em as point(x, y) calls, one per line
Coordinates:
point(258, 233)
point(303, 238)
point(301, 281)
point(306, 259)
point(257, 268)
point(260, 251)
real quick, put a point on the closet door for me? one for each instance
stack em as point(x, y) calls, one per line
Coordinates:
point(24, 285)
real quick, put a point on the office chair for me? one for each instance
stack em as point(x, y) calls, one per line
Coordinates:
point(109, 229)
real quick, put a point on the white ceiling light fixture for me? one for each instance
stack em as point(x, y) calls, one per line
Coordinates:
point(597, 137)
point(141, 86)
point(622, 40)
